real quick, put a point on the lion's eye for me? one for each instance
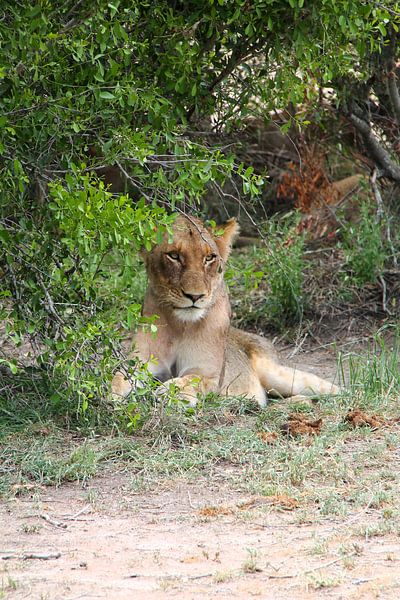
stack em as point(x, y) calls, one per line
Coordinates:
point(210, 258)
point(173, 255)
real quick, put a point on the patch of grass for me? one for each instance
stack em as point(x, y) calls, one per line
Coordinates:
point(374, 376)
point(45, 461)
point(250, 565)
point(31, 529)
point(320, 581)
point(365, 246)
point(223, 576)
point(7, 585)
point(23, 400)
point(320, 546)
point(275, 270)
point(378, 529)
point(340, 470)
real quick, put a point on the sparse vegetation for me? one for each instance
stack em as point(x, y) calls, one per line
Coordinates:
point(365, 246)
point(111, 123)
point(181, 443)
point(320, 581)
point(251, 564)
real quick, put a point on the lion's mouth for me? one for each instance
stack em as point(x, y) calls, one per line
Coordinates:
point(189, 313)
point(188, 307)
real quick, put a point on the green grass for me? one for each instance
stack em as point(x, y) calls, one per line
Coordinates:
point(330, 475)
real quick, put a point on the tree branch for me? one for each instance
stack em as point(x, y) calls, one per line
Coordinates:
point(235, 59)
point(377, 152)
point(394, 94)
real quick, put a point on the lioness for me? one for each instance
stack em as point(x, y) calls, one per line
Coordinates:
point(196, 348)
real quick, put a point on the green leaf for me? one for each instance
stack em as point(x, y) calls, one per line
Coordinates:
point(106, 95)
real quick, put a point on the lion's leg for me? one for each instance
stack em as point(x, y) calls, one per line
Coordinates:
point(248, 385)
point(121, 386)
point(279, 380)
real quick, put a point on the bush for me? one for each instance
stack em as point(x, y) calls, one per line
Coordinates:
point(89, 86)
point(267, 282)
point(283, 267)
point(364, 245)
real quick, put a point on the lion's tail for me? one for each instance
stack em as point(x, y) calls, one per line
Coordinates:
point(282, 381)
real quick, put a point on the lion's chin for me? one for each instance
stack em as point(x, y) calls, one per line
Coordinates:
point(189, 315)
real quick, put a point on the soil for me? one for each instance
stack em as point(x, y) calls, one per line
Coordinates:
point(162, 545)
point(187, 540)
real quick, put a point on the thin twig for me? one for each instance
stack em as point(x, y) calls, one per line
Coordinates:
point(384, 303)
point(378, 197)
point(317, 568)
point(48, 519)
point(190, 500)
point(78, 514)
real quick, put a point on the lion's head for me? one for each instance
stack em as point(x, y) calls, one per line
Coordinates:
point(186, 273)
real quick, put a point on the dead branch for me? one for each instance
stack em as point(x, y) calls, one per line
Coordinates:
point(394, 94)
point(77, 514)
point(379, 154)
point(31, 555)
point(53, 521)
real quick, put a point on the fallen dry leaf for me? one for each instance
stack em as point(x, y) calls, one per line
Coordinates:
point(298, 425)
point(215, 511)
point(269, 437)
point(228, 417)
point(191, 559)
point(358, 418)
point(20, 488)
point(281, 500)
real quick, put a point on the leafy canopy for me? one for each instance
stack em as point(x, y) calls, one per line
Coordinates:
point(90, 85)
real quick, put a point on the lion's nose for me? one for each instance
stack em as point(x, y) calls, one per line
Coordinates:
point(193, 297)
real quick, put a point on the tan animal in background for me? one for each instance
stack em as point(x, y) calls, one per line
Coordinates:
point(196, 348)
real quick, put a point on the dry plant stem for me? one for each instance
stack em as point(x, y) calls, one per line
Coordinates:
point(50, 304)
point(378, 219)
point(78, 514)
point(168, 577)
point(317, 568)
point(129, 178)
point(378, 197)
point(384, 302)
point(298, 346)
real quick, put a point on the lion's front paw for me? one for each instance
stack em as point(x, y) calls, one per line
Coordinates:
point(120, 386)
point(185, 388)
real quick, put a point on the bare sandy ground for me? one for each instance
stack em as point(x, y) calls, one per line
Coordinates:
point(115, 544)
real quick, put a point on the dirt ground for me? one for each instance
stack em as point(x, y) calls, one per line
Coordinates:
point(114, 544)
point(188, 540)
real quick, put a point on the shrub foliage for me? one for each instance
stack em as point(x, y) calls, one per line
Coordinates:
point(89, 86)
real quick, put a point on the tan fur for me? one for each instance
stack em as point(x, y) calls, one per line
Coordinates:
point(195, 347)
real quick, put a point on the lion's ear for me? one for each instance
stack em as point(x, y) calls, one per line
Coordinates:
point(225, 240)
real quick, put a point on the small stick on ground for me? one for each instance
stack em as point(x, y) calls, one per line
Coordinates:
point(328, 564)
point(31, 555)
point(48, 519)
point(78, 514)
point(317, 568)
point(190, 500)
